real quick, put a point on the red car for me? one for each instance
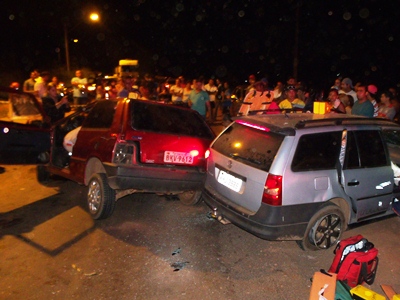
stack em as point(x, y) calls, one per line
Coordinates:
point(129, 146)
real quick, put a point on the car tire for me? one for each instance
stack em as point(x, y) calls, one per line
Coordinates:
point(324, 229)
point(190, 197)
point(42, 174)
point(101, 198)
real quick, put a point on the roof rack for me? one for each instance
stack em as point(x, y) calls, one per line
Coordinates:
point(344, 121)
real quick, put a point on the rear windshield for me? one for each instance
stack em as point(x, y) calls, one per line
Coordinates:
point(170, 119)
point(250, 146)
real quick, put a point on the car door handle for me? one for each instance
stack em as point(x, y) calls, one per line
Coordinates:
point(353, 183)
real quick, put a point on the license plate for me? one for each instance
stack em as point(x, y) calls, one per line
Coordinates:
point(178, 157)
point(230, 181)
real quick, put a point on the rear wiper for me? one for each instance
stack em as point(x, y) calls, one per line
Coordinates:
point(237, 156)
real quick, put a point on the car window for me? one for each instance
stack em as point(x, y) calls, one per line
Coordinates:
point(21, 105)
point(101, 115)
point(256, 148)
point(365, 149)
point(319, 151)
point(392, 136)
point(170, 119)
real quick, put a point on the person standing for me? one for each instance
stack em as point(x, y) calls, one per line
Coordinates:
point(29, 84)
point(372, 91)
point(186, 92)
point(347, 88)
point(386, 109)
point(127, 88)
point(279, 92)
point(212, 91)
point(291, 102)
point(336, 104)
point(40, 88)
point(362, 107)
point(176, 92)
point(199, 100)
point(79, 84)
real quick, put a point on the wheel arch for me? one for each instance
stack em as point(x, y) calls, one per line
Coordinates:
point(93, 166)
point(344, 207)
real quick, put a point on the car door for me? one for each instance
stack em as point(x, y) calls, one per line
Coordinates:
point(367, 174)
point(24, 134)
point(94, 139)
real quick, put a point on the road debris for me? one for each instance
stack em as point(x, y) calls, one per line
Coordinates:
point(179, 265)
point(176, 251)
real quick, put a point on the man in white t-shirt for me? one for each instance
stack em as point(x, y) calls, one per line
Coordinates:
point(347, 88)
point(176, 92)
point(79, 85)
point(40, 87)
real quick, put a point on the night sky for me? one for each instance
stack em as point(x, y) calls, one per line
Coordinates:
point(226, 39)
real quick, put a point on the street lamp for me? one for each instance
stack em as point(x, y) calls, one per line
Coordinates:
point(94, 17)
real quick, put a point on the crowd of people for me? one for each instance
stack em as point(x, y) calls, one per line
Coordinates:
point(212, 97)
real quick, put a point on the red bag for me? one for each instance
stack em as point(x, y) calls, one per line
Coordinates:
point(355, 261)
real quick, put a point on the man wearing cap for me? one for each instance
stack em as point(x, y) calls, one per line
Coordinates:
point(259, 99)
point(291, 102)
point(347, 88)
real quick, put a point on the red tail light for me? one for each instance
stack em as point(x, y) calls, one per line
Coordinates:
point(273, 190)
point(194, 153)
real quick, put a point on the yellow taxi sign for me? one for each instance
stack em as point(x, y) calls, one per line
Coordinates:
point(128, 62)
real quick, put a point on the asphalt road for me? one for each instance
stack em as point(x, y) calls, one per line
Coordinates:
point(151, 248)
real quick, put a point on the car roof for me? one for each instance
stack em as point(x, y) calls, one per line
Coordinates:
point(288, 123)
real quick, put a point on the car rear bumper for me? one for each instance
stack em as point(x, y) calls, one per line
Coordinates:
point(270, 222)
point(155, 178)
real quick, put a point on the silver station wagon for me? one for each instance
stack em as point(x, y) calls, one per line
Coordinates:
point(301, 177)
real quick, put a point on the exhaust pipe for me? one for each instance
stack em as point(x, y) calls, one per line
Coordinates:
point(217, 216)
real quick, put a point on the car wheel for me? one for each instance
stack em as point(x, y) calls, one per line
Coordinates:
point(42, 174)
point(190, 197)
point(100, 197)
point(324, 229)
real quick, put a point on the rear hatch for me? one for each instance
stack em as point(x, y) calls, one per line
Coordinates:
point(239, 164)
point(169, 135)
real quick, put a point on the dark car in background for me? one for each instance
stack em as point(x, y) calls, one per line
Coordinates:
point(128, 146)
point(24, 128)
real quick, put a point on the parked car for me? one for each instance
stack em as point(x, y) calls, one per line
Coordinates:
point(24, 128)
point(301, 177)
point(128, 146)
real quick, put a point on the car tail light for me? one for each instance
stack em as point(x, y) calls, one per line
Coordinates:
point(194, 153)
point(273, 190)
point(124, 153)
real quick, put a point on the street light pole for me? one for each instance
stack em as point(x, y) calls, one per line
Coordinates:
point(94, 17)
point(66, 46)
